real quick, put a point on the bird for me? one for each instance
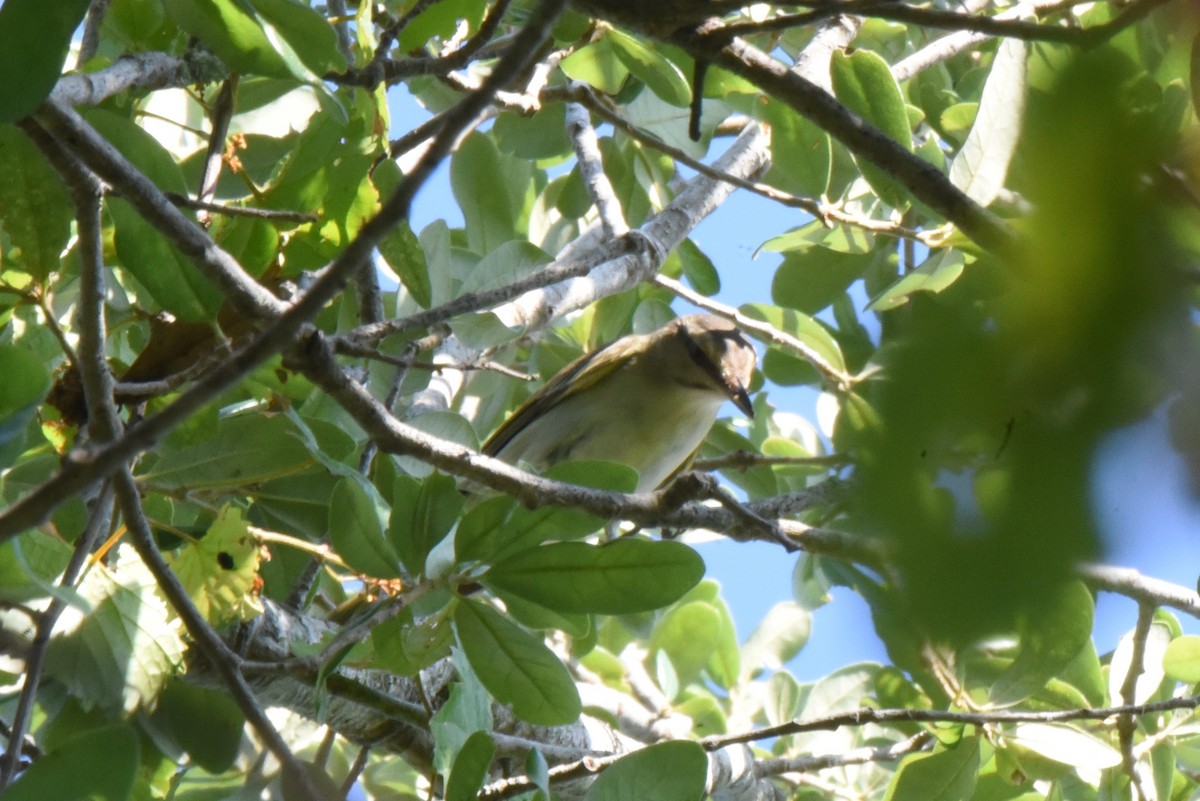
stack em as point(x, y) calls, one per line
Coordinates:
point(646, 400)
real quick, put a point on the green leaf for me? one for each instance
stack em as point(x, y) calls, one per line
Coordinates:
point(468, 710)
point(482, 191)
point(170, 277)
point(1067, 744)
point(525, 528)
point(782, 698)
point(422, 515)
point(313, 39)
point(536, 617)
point(1150, 675)
point(254, 243)
point(538, 136)
point(516, 667)
point(470, 767)
point(656, 71)
point(406, 645)
point(403, 253)
point(357, 521)
point(783, 366)
point(35, 210)
point(801, 153)
point(698, 268)
point(617, 578)
point(205, 723)
point(476, 536)
point(1050, 640)
point(234, 30)
point(172, 281)
point(1181, 661)
point(689, 635)
point(936, 273)
point(98, 765)
point(29, 564)
point(219, 571)
point(597, 65)
point(25, 384)
point(445, 425)
point(506, 263)
point(123, 652)
point(247, 449)
point(981, 164)
point(864, 83)
point(672, 771)
point(440, 20)
point(812, 279)
point(843, 690)
point(670, 123)
point(946, 776)
point(34, 40)
point(776, 640)
point(848, 239)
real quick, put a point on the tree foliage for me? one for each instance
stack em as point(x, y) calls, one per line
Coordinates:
point(248, 547)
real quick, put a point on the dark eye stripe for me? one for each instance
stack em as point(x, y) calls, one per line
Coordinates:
point(702, 360)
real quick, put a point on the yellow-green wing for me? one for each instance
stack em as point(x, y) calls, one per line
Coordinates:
point(577, 376)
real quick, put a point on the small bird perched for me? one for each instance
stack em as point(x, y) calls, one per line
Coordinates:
point(644, 400)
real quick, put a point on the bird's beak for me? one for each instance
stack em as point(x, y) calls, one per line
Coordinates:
point(740, 397)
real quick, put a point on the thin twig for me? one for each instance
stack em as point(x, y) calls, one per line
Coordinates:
point(861, 717)
point(350, 349)
point(745, 460)
point(222, 113)
point(280, 215)
point(857, 756)
point(1126, 724)
point(952, 20)
point(356, 769)
point(89, 43)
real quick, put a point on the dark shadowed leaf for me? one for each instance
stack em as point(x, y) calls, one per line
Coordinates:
point(35, 211)
point(206, 723)
point(34, 40)
point(357, 522)
point(98, 765)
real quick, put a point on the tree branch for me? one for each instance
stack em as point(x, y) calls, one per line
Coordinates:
point(591, 168)
point(246, 294)
point(860, 717)
point(136, 71)
point(923, 180)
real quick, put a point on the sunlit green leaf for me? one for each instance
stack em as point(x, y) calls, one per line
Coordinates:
point(621, 577)
point(515, 667)
point(946, 776)
point(653, 69)
point(673, 771)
